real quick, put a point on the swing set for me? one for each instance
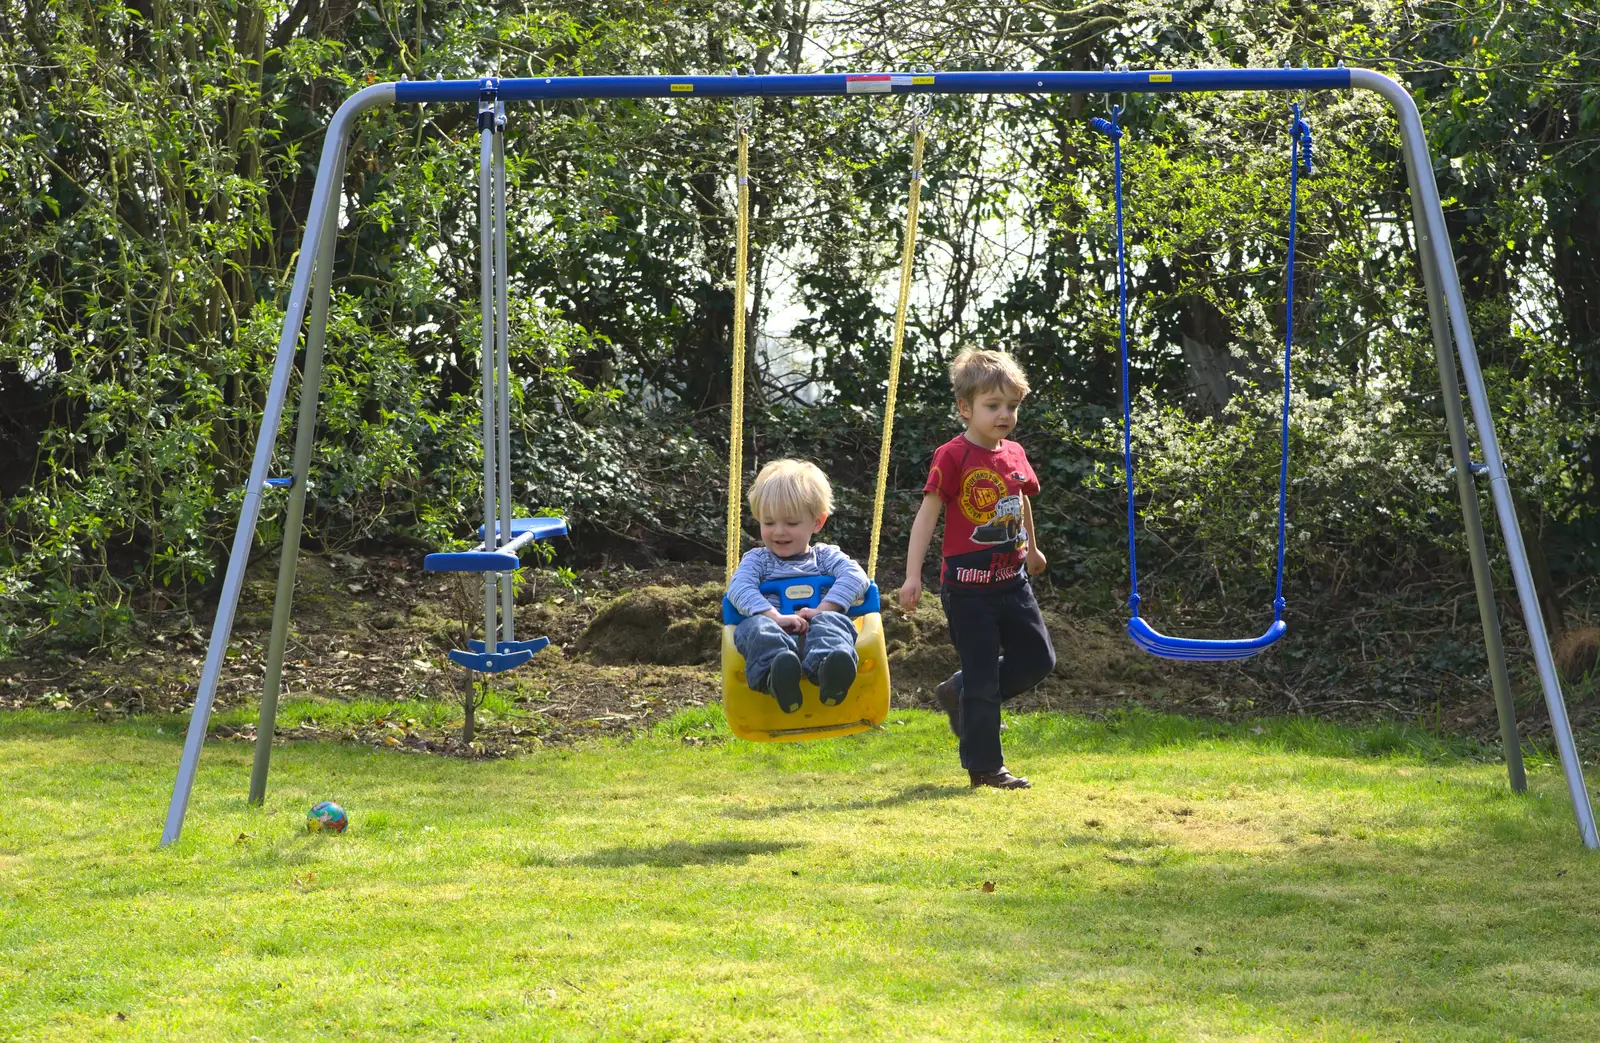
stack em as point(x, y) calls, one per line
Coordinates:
point(750, 714)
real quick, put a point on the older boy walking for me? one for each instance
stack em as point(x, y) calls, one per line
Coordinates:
point(990, 548)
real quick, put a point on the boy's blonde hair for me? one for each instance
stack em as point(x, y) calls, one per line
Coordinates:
point(786, 488)
point(975, 372)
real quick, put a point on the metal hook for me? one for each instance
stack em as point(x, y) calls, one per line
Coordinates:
point(921, 107)
point(1112, 108)
point(744, 112)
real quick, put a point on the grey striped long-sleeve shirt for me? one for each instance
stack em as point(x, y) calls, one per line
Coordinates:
point(821, 559)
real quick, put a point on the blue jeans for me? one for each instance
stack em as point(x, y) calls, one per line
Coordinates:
point(760, 640)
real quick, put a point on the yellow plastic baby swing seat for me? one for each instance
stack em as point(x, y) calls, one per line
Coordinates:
point(756, 716)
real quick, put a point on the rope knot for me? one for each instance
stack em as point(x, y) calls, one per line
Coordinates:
point(1300, 136)
point(1106, 127)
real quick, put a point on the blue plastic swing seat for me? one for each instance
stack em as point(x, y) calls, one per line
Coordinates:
point(495, 560)
point(542, 528)
point(472, 561)
point(1200, 649)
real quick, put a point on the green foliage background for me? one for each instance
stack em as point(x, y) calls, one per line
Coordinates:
point(156, 163)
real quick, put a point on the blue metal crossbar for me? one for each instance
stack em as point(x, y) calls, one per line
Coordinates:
point(805, 592)
point(1144, 635)
point(409, 92)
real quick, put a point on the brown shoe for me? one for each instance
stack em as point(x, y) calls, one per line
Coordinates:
point(949, 695)
point(1001, 779)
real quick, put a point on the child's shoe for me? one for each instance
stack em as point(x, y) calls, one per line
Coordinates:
point(835, 676)
point(949, 695)
point(784, 680)
point(1001, 779)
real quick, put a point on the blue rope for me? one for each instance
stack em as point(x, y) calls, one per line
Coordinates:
point(1299, 155)
point(1299, 138)
point(1113, 130)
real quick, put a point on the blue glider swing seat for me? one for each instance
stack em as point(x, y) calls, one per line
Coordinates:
point(507, 655)
point(1142, 633)
point(501, 537)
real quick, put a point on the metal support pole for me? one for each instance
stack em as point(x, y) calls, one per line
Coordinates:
point(294, 517)
point(1467, 490)
point(329, 176)
point(1420, 169)
point(503, 366)
point(486, 352)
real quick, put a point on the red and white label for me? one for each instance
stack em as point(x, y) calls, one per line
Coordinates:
point(869, 83)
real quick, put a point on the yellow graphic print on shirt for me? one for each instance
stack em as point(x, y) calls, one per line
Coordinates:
point(995, 515)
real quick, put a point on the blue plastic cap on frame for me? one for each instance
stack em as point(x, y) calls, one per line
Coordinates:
point(821, 84)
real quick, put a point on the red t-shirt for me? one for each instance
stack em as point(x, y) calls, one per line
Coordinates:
point(985, 545)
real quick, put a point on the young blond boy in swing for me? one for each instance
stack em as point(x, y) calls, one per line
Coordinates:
point(792, 499)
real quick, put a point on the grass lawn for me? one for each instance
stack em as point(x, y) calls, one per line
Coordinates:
point(1165, 880)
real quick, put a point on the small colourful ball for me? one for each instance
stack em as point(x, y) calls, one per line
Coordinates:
point(327, 816)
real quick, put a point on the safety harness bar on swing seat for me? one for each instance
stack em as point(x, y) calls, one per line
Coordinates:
point(1142, 633)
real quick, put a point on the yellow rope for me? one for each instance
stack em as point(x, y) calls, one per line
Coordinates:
point(906, 258)
point(736, 405)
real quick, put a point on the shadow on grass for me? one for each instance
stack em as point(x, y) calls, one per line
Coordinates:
point(678, 853)
point(910, 795)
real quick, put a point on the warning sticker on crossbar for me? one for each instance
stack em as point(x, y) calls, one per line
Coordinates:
point(871, 83)
point(683, 88)
point(1161, 77)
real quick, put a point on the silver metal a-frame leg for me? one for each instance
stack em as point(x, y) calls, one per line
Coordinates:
point(320, 222)
point(294, 517)
point(1467, 492)
point(1433, 239)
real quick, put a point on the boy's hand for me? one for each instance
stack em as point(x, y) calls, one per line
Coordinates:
point(1036, 561)
point(808, 613)
point(910, 592)
point(795, 624)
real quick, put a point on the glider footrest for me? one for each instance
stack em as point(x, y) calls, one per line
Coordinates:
point(489, 662)
point(506, 647)
point(507, 655)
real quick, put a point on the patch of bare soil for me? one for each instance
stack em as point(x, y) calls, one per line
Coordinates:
point(667, 626)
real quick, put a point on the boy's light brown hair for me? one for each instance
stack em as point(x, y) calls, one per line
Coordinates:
point(976, 371)
point(791, 489)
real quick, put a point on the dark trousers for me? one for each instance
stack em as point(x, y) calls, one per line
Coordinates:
point(1005, 650)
